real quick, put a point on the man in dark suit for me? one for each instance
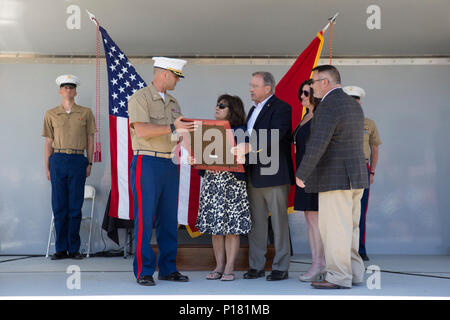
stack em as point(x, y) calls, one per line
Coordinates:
point(334, 166)
point(270, 176)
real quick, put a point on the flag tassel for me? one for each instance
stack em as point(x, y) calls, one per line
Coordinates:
point(98, 152)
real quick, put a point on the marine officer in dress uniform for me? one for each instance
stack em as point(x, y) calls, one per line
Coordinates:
point(69, 131)
point(155, 117)
point(371, 142)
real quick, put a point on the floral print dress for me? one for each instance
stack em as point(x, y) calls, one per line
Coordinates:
point(224, 207)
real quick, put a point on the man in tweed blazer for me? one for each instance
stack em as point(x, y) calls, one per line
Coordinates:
point(334, 166)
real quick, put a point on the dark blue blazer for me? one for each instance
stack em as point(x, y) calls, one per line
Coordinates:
point(276, 114)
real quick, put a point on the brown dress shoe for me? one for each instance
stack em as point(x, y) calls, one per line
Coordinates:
point(327, 285)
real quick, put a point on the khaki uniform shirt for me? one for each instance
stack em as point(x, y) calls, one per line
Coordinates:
point(69, 130)
point(371, 137)
point(147, 105)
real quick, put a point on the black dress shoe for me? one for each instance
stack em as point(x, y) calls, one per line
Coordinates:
point(76, 256)
point(59, 255)
point(364, 257)
point(254, 274)
point(175, 276)
point(146, 281)
point(276, 275)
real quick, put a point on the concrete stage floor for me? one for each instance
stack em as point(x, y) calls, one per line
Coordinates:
point(400, 276)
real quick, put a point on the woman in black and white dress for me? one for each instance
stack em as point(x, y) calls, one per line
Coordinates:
point(224, 208)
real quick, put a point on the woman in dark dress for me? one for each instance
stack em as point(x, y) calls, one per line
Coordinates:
point(308, 202)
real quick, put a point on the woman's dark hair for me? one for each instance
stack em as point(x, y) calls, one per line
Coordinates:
point(312, 100)
point(236, 112)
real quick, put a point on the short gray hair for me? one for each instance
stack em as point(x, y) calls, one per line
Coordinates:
point(268, 78)
point(331, 71)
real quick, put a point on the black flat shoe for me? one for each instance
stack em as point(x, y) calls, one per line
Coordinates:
point(254, 274)
point(146, 281)
point(175, 276)
point(276, 275)
point(76, 256)
point(60, 255)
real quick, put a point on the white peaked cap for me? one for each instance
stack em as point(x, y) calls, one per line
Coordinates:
point(174, 65)
point(67, 78)
point(354, 91)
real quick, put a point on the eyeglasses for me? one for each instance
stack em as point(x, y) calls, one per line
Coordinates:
point(318, 80)
point(305, 93)
point(222, 106)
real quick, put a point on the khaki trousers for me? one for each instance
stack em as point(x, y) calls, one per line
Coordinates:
point(339, 213)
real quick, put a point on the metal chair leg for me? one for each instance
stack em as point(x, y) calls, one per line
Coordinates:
point(90, 227)
point(49, 236)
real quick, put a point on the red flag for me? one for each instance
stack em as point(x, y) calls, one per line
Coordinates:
point(288, 86)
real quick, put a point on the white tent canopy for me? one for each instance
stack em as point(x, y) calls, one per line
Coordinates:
point(227, 28)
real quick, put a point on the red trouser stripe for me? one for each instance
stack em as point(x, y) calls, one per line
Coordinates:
point(139, 199)
point(367, 206)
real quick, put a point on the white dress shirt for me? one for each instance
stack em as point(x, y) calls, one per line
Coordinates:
point(255, 114)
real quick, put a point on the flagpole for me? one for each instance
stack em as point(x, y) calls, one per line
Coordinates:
point(92, 18)
point(97, 137)
point(330, 23)
point(331, 20)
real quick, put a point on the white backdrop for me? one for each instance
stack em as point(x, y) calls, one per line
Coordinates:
point(409, 203)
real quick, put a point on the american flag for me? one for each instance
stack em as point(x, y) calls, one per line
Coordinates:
point(123, 82)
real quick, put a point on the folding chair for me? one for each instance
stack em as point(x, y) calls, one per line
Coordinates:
point(89, 193)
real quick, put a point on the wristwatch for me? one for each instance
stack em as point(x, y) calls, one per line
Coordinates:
point(172, 128)
point(372, 172)
point(90, 163)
